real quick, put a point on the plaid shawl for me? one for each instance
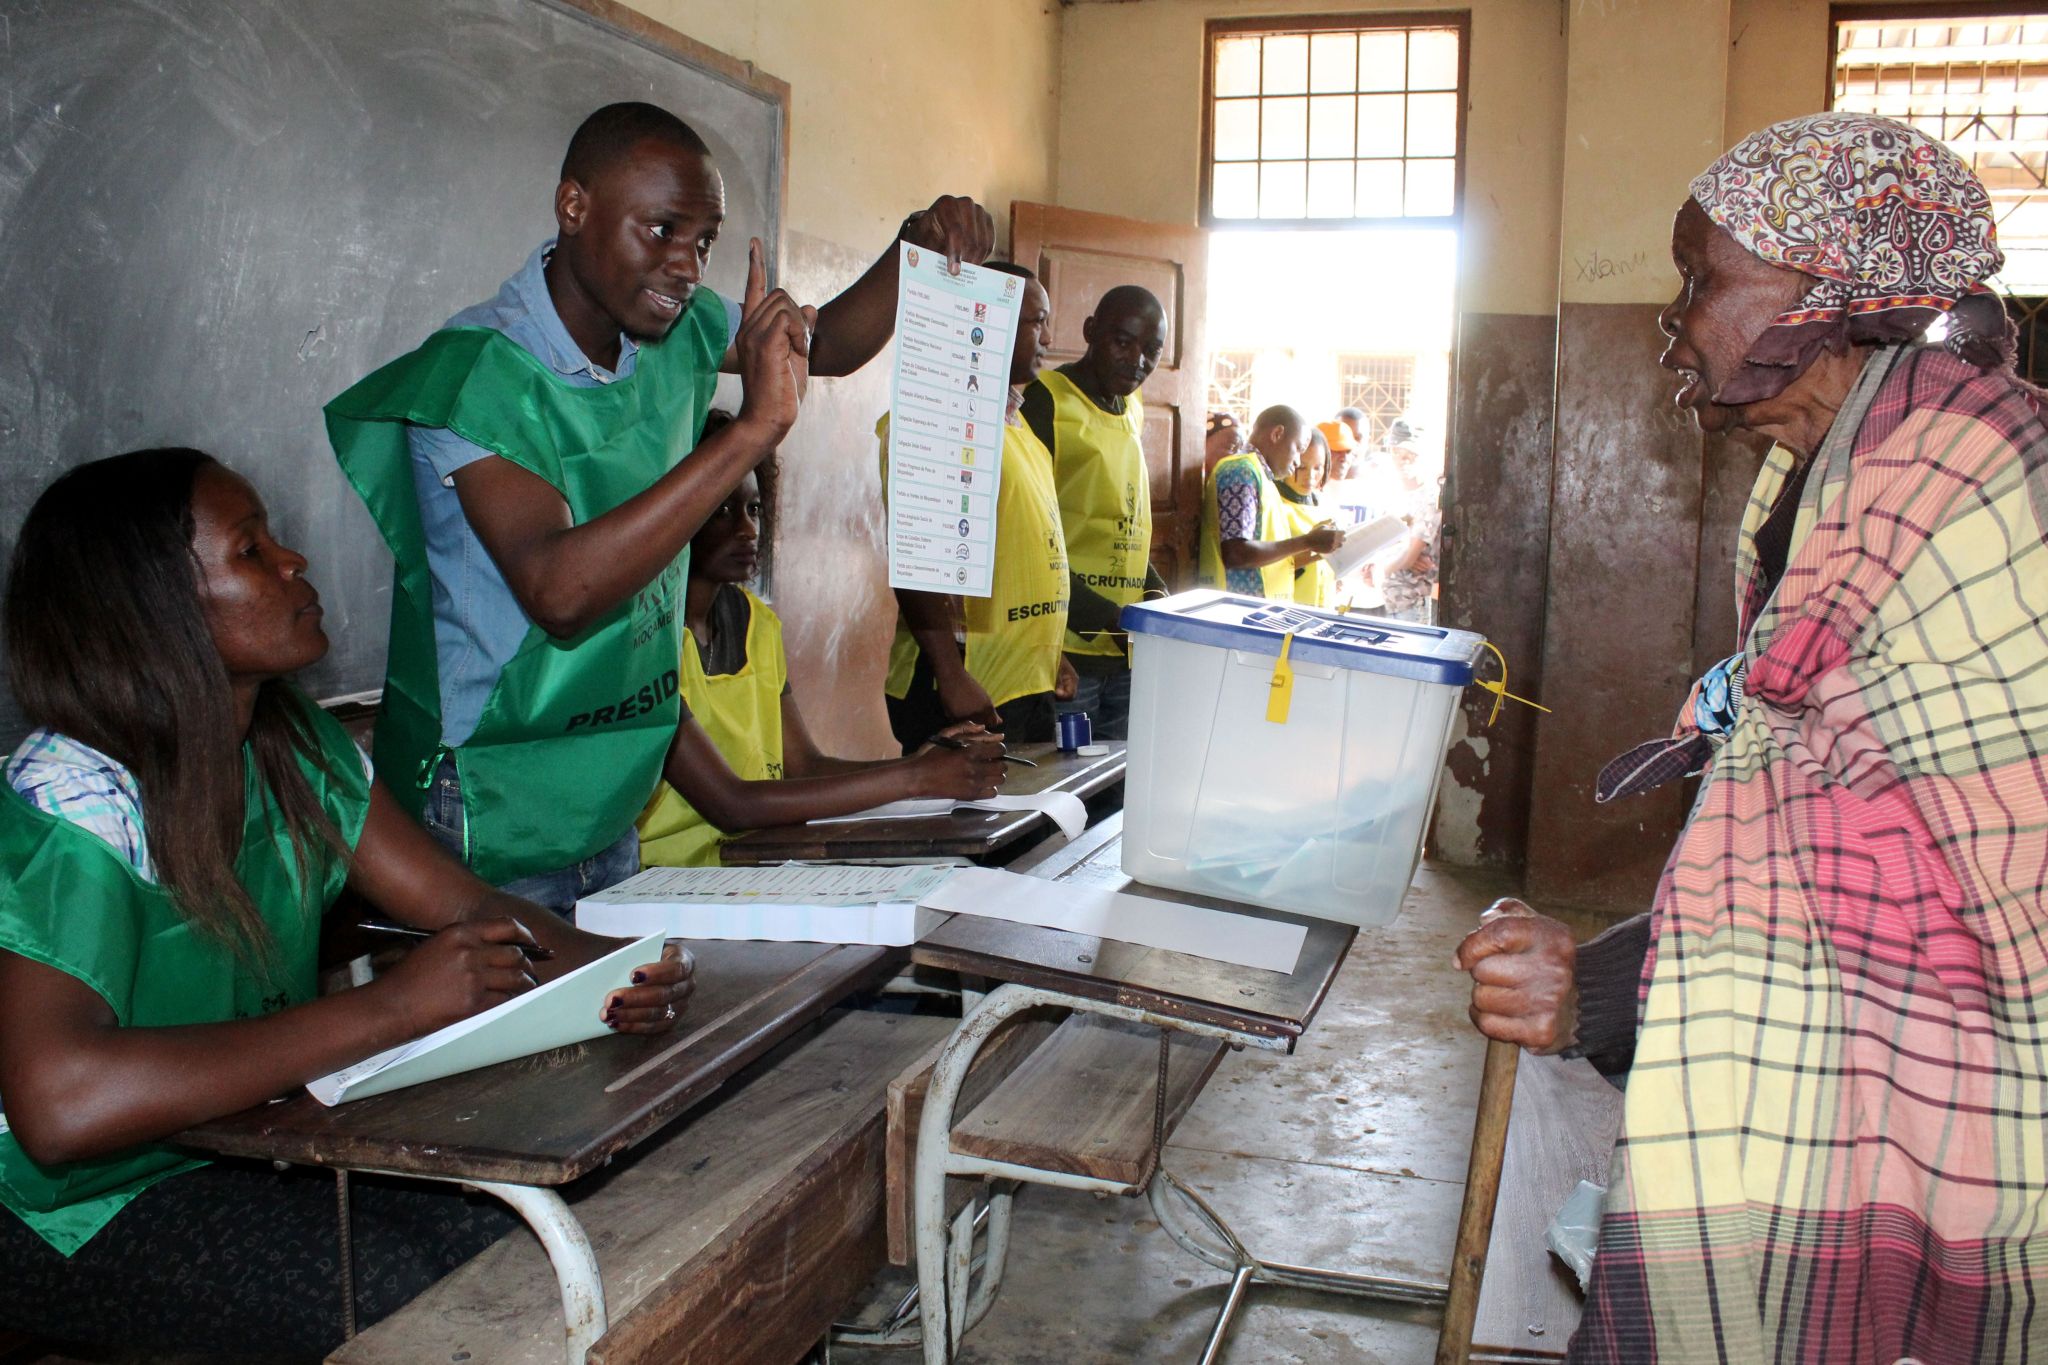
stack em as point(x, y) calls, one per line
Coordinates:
point(1835, 1142)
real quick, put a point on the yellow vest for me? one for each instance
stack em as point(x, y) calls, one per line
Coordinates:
point(1098, 462)
point(1314, 584)
point(1274, 524)
point(1013, 634)
point(742, 712)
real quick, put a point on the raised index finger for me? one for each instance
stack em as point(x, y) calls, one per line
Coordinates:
point(757, 276)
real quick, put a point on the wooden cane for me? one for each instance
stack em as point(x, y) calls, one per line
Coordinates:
point(1482, 1189)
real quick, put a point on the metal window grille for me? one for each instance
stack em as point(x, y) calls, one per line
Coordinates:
point(1981, 86)
point(1379, 386)
point(1334, 121)
point(1230, 385)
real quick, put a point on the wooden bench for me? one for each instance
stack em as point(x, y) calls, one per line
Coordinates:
point(736, 1234)
point(1561, 1130)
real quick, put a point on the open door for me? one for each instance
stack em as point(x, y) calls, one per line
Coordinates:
point(1080, 257)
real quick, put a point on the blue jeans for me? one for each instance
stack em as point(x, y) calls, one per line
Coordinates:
point(558, 890)
point(1106, 697)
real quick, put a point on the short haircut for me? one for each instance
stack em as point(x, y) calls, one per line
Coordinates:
point(1010, 268)
point(1351, 415)
point(608, 135)
point(1280, 415)
point(1127, 300)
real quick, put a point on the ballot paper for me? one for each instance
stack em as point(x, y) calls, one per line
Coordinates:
point(788, 904)
point(1243, 940)
point(1362, 542)
point(947, 403)
point(1065, 809)
point(568, 1009)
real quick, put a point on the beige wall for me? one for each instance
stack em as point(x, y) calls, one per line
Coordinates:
point(893, 102)
point(1130, 127)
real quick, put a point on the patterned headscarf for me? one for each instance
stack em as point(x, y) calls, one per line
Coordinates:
point(1897, 230)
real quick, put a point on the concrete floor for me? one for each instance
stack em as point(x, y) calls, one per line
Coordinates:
point(1350, 1153)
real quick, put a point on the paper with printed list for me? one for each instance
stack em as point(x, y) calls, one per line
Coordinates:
point(947, 403)
point(789, 904)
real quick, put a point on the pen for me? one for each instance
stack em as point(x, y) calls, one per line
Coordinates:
point(534, 952)
point(948, 742)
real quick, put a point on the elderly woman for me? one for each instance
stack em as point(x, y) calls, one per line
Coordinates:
point(1835, 1137)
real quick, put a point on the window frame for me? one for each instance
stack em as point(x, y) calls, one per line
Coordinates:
point(1950, 12)
point(1371, 22)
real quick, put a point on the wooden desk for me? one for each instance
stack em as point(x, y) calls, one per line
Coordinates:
point(516, 1129)
point(548, 1119)
point(1264, 1009)
point(1173, 992)
point(981, 836)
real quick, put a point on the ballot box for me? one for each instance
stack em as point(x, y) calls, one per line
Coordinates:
point(1286, 756)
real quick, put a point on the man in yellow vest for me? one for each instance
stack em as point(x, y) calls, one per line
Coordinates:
point(994, 659)
point(1088, 412)
point(1249, 540)
point(526, 465)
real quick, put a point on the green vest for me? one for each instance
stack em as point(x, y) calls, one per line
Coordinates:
point(572, 737)
point(71, 902)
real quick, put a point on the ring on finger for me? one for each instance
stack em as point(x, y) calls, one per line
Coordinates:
point(670, 1012)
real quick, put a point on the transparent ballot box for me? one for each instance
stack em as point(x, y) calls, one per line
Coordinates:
point(1304, 788)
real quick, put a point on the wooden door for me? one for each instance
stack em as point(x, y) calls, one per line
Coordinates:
point(1080, 257)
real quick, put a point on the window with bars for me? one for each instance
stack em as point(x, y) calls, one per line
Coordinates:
point(1980, 84)
point(1377, 385)
point(1334, 120)
point(1230, 385)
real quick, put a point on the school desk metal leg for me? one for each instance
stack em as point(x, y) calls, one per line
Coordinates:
point(948, 1300)
point(1171, 1199)
point(583, 1313)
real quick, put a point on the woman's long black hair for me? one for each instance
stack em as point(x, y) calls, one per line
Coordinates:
point(107, 643)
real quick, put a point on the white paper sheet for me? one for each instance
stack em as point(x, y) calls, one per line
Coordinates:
point(1243, 940)
point(1363, 542)
point(554, 1014)
point(947, 402)
point(822, 903)
point(1066, 809)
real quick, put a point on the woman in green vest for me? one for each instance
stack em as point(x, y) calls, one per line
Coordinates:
point(742, 757)
point(170, 834)
point(1301, 502)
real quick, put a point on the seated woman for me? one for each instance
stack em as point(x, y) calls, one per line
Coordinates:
point(170, 835)
point(1835, 1133)
point(742, 758)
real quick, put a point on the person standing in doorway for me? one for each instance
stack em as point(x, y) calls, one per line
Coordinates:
point(1249, 540)
point(1089, 414)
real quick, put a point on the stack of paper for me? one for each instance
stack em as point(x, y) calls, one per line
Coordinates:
point(791, 904)
point(1244, 940)
point(567, 1010)
point(1064, 808)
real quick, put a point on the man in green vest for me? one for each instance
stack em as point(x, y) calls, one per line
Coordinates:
point(1089, 414)
point(527, 466)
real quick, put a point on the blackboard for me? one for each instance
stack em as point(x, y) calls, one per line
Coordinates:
point(215, 215)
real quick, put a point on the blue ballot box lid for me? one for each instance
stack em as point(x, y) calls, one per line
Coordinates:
point(1256, 625)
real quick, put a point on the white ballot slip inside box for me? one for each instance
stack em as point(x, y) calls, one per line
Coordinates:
point(1064, 808)
point(1245, 940)
point(948, 399)
point(790, 904)
point(555, 1014)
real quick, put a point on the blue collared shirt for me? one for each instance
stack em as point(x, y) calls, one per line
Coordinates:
point(478, 623)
